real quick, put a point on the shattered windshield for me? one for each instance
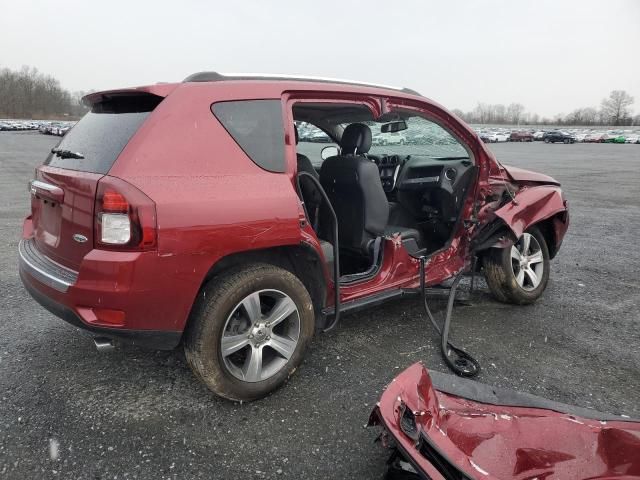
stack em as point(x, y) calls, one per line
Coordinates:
point(422, 137)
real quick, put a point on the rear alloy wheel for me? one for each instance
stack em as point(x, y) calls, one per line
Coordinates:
point(546, 140)
point(260, 335)
point(249, 331)
point(567, 141)
point(520, 273)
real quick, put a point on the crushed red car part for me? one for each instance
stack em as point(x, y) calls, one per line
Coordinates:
point(444, 427)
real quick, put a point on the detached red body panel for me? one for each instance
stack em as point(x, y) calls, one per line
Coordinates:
point(440, 433)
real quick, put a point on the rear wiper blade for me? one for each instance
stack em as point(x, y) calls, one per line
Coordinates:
point(66, 153)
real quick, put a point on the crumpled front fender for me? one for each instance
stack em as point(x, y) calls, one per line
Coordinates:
point(532, 205)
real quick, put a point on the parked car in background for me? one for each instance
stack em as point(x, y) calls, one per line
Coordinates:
point(521, 136)
point(318, 136)
point(580, 137)
point(392, 138)
point(538, 135)
point(558, 136)
point(4, 126)
point(494, 137)
point(594, 138)
point(633, 139)
point(614, 138)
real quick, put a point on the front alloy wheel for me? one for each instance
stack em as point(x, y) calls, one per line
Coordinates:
point(527, 262)
point(519, 274)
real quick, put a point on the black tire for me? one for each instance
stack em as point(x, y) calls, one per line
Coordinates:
point(218, 299)
point(567, 141)
point(501, 278)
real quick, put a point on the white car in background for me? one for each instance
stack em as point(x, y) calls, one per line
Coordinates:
point(391, 138)
point(580, 137)
point(632, 139)
point(498, 137)
point(538, 135)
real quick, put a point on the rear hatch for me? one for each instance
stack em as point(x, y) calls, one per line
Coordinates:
point(64, 190)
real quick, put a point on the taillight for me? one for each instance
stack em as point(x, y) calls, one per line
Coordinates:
point(125, 218)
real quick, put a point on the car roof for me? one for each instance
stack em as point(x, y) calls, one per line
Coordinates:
point(221, 77)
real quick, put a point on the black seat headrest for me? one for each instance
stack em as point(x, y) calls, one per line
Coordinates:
point(295, 129)
point(356, 138)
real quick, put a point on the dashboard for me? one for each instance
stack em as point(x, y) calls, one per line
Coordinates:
point(421, 172)
point(389, 167)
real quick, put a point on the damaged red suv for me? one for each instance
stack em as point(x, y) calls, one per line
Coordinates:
point(189, 214)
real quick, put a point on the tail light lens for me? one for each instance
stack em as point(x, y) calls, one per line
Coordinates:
point(125, 218)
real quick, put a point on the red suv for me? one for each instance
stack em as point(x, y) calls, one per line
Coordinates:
point(188, 214)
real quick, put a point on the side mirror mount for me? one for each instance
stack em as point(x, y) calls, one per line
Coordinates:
point(329, 151)
point(392, 127)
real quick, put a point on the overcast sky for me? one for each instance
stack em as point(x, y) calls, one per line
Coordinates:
point(550, 55)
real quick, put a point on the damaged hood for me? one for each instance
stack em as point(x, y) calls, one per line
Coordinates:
point(461, 429)
point(520, 175)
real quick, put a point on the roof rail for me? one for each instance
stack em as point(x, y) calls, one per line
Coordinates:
point(220, 77)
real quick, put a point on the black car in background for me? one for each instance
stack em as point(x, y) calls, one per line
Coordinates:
point(558, 136)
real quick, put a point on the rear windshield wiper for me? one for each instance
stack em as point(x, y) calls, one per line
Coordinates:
point(66, 153)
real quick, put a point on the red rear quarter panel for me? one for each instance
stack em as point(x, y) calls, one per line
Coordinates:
point(211, 199)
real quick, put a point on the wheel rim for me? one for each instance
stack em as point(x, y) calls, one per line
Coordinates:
point(527, 262)
point(260, 335)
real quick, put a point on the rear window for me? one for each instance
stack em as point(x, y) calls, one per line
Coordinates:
point(103, 133)
point(257, 127)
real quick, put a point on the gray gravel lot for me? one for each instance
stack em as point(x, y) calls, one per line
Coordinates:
point(141, 414)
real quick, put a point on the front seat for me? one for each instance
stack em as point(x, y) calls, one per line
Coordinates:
point(352, 183)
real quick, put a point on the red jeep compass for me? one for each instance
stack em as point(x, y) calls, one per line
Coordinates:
point(190, 214)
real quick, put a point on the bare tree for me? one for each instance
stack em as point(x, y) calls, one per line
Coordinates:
point(616, 107)
point(28, 93)
point(514, 113)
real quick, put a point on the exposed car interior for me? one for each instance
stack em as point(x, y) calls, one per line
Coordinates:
point(414, 187)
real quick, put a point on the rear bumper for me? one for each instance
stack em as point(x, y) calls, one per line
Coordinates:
point(43, 269)
point(158, 340)
point(107, 282)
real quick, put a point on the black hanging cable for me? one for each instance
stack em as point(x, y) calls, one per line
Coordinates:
point(462, 364)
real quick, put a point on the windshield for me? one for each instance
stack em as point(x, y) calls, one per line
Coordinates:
point(422, 137)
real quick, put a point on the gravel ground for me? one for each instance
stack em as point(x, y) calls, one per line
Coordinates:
point(67, 411)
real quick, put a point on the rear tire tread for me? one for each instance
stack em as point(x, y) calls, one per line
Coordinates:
point(209, 316)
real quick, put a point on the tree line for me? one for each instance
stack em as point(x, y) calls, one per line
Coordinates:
point(27, 93)
point(613, 110)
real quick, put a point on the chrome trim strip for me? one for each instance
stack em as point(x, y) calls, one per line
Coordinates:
point(47, 187)
point(43, 276)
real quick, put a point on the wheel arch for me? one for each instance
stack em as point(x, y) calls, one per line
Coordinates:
point(551, 229)
point(302, 260)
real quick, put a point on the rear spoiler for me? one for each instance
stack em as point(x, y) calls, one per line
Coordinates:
point(159, 90)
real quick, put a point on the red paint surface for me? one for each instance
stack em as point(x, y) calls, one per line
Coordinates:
point(500, 442)
point(522, 175)
point(212, 201)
